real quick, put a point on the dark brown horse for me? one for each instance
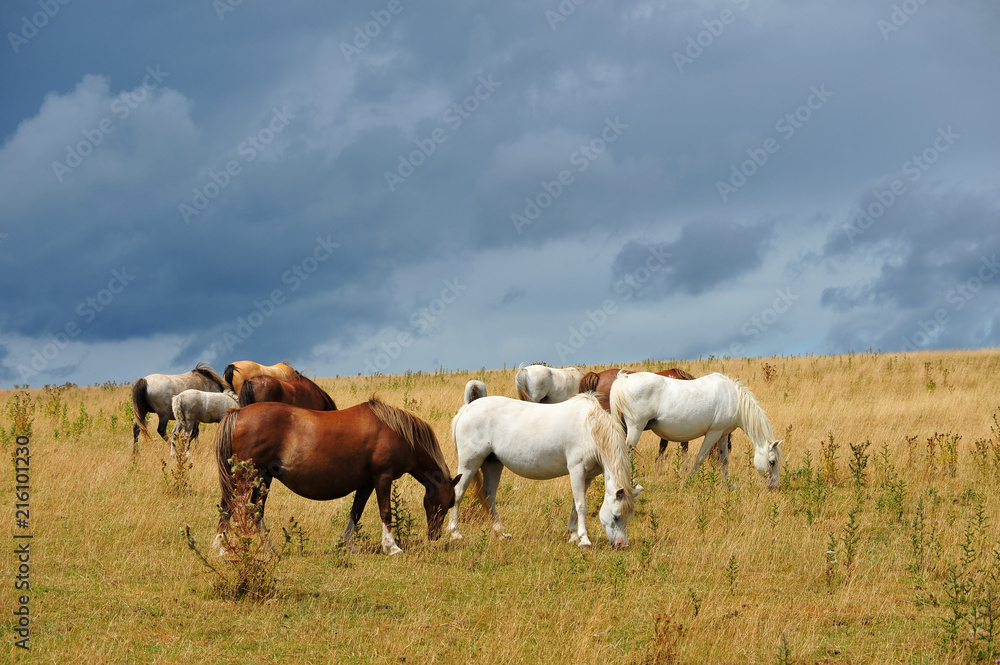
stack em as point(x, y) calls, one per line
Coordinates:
point(325, 455)
point(300, 391)
point(600, 383)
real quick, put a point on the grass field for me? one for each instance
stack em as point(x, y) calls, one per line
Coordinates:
point(879, 553)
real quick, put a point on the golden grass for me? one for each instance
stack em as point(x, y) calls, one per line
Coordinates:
point(112, 580)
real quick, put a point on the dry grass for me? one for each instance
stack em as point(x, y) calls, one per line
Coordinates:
point(715, 573)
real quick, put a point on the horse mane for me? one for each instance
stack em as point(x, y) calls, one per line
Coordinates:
point(753, 420)
point(678, 373)
point(609, 437)
point(205, 370)
point(228, 373)
point(411, 428)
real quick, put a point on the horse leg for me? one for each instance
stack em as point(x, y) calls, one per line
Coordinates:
point(492, 468)
point(360, 500)
point(723, 448)
point(711, 438)
point(161, 426)
point(572, 526)
point(192, 437)
point(383, 493)
point(173, 438)
point(658, 465)
point(578, 482)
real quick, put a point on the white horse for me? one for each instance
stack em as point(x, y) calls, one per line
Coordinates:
point(543, 441)
point(712, 406)
point(474, 390)
point(197, 406)
point(547, 385)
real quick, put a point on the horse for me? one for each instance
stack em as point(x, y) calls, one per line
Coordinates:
point(712, 406)
point(154, 394)
point(600, 383)
point(300, 391)
point(324, 455)
point(474, 390)
point(197, 406)
point(546, 385)
point(543, 441)
point(241, 370)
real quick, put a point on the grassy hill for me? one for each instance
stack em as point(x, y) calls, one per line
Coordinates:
point(880, 545)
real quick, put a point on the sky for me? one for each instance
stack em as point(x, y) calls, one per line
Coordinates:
point(391, 186)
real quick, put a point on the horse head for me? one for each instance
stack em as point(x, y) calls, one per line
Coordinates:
point(767, 461)
point(438, 500)
point(616, 511)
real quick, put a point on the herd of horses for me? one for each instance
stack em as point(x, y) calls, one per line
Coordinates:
point(563, 423)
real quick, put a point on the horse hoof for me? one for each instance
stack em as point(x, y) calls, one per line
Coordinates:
point(455, 535)
point(573, 537)
point(506, 536)
point(585, 546)
point(394, 550)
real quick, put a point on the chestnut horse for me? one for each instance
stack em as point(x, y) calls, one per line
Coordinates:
point(241, 370)
point(324, 455)
point(300, 391)
point(600, 383)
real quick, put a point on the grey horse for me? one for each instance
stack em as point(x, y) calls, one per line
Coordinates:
point(154, 394)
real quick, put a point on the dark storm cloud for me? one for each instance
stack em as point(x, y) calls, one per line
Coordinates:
point(709, 253)
point(455, 130)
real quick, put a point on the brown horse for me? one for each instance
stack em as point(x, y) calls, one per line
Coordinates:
point(300, 391)
point(600, 383)
point(325, 455)
point(241, 370)
point(154, 393)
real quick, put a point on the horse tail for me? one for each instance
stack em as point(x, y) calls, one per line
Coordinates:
point(227, 374)
point(621, 401)
point(223, 455)
point(411, 429)
point(474, 390)
point(476, 483)
point(246, 394)
point(141, 406)
point(588, 384)
point(752, 418)
point(521, 383)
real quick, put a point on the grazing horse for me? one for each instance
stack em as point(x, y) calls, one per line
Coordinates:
point(546, 385)
point(323, 455)
point(712, 406)
point(154, 394)
point(600, 383)
point(197, 406)
point(300, 391)
point(241, 370)
point(474, 390)
point(543, 441)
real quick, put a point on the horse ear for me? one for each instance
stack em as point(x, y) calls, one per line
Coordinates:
point(454, 481)
point(620, 494)
point(776, 445)
point(635, 492)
